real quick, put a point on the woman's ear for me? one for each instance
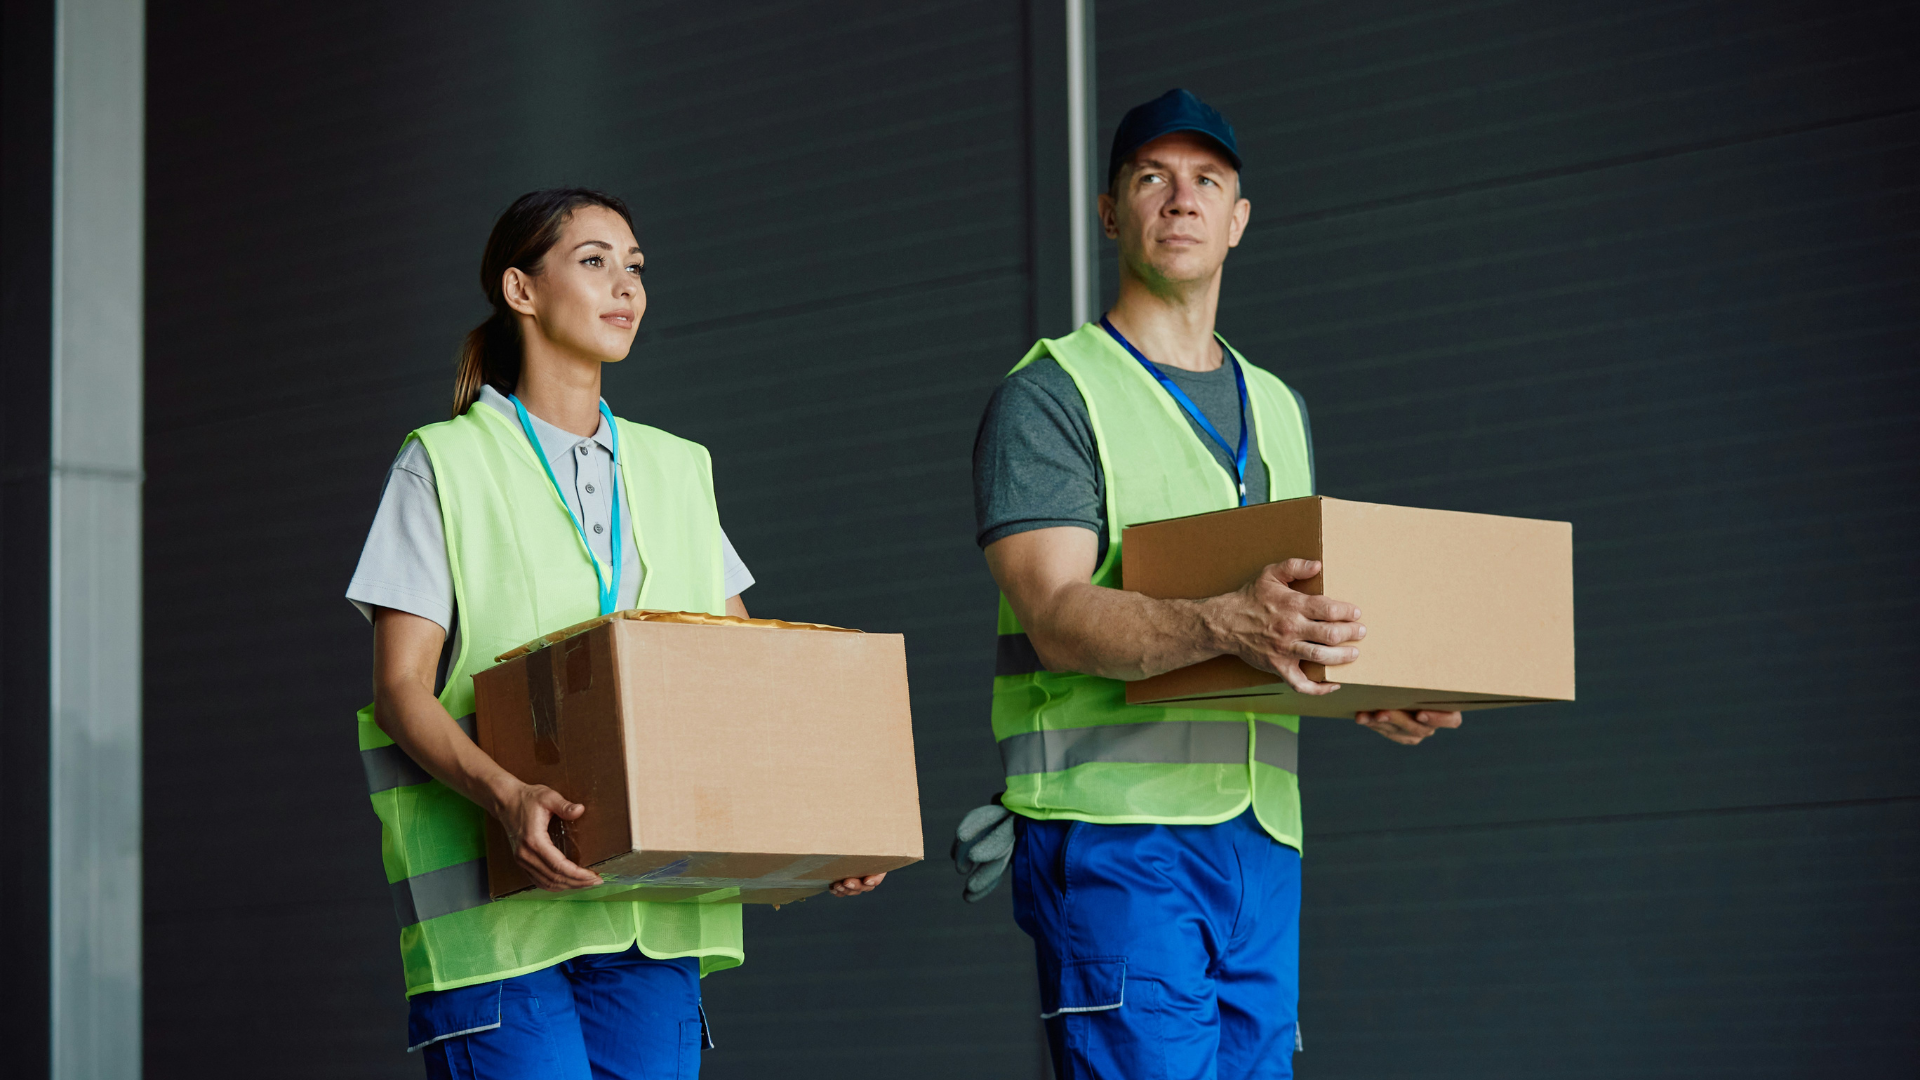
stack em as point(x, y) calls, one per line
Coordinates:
point(517, 289)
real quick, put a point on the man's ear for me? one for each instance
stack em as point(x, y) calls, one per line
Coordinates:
point(1237, 227)
point(517, 288)
point(1109, 215)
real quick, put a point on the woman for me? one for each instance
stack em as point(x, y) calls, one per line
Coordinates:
point(531, 510)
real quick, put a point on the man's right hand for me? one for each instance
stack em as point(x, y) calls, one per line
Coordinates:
point(526, 815)
point(1075, 625)
point(1274, 627)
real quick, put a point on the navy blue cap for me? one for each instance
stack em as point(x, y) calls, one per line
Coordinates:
point(1175, 110)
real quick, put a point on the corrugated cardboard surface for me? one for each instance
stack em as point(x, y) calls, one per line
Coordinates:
point(731, 763)
point(1462, 610)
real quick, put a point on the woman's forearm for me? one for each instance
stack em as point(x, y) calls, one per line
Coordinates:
point(412, 717)
point(406, 654)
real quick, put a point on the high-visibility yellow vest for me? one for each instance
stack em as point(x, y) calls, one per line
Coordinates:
point(521, 569)
point(1071, 745)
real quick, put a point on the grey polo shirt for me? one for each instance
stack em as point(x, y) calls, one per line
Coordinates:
point(404, 564)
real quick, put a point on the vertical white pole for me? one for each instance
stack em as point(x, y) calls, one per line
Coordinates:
point(94, 580)
point(1081, 128)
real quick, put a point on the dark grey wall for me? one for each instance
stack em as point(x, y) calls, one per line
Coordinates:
point(1649, 269)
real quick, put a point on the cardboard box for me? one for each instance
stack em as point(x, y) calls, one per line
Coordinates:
point(720, 760)
point(1463, 611)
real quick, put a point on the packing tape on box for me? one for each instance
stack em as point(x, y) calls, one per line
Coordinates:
point(702, 889)
point(692, 883)
point(673, 876)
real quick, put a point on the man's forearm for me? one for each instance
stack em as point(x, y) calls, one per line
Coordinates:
point(1074, 625)
point(1124, 635)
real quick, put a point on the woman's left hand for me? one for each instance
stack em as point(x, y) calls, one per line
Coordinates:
point(854, 886)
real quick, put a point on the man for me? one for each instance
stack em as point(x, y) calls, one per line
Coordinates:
point(1157, 862)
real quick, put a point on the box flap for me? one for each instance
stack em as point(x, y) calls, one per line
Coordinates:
point(699, 618)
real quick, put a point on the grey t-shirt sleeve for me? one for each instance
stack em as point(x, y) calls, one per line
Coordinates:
point(404, 563)
point(738, 578)
point(1034, 461)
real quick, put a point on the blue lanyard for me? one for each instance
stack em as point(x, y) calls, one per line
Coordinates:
point(609, 589)
point(1240, 380)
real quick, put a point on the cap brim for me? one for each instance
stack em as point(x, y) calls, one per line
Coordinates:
point(1175, 129)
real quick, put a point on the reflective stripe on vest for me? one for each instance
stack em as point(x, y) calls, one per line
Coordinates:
point(440, 892)
point(436, 892)
point(1174, 742)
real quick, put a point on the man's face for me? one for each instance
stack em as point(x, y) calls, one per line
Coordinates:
point(1175, 209)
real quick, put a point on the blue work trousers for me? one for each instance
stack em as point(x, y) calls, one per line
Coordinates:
point(1164, 951)
point(602, 1016)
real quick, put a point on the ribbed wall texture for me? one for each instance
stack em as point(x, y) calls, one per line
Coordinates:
point(1650, 268)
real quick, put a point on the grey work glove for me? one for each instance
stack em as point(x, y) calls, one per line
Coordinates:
point(982, 848)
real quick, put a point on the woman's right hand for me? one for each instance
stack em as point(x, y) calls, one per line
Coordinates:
point(526, 815)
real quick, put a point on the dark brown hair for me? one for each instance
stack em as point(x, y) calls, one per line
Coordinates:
point(490, 356)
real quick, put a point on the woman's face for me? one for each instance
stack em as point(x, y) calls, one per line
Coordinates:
point(587, 298)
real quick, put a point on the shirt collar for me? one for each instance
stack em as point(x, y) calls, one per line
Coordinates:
point(554, 442)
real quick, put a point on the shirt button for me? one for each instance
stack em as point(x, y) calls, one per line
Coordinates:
point(597, 528)
point(583, 449)
point(589, 489)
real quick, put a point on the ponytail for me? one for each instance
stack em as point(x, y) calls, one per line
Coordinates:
point(490, 355)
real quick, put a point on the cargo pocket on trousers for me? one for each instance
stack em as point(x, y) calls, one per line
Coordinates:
point(692, 1035)
point(1084, 986)
point(443, 1014)
point(1105, 1024)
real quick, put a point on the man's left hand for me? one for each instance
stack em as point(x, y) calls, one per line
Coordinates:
point(1404, 727)
point(854, 886)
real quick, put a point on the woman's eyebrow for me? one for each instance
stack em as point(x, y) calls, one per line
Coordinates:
point(595, 243)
